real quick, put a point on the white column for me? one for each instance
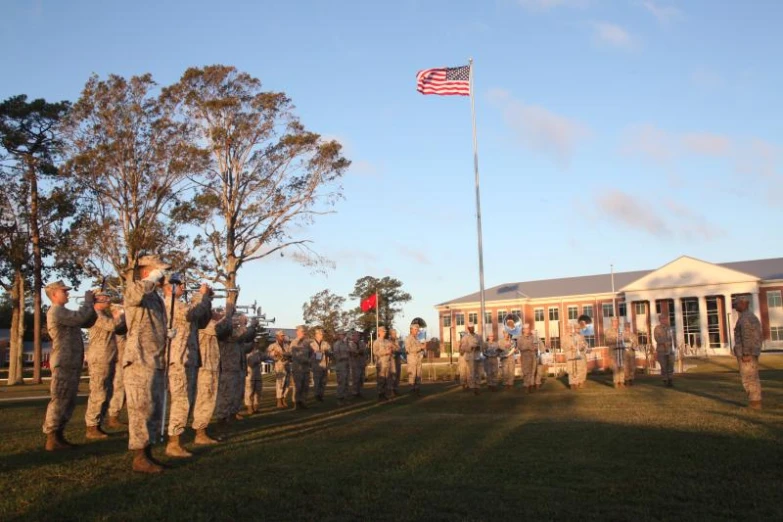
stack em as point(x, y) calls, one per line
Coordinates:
point(704, 322)
point(728, 319)
point(756, 305)
point(678, 320)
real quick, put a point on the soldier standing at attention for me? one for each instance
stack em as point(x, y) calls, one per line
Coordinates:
point(218, 327)
point(470, 349)
point(507, 360)
point(664, 349)
point(356, 350)
point(117, 401)
point(414, 350)
point(630, 355)
point(101, 362)
point(397, 362)
point(301, 355)
point(65, 329)
point(281, 355)
point(492, 353)
point(321, 350)
point(575, 348)
point(184, 358)
point(254, 383)
point(341, 366)
point(383, 348)
point(747, 348)
point(616, 348)
point(528, 357)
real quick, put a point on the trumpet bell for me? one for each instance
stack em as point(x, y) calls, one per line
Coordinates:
point(512, 324)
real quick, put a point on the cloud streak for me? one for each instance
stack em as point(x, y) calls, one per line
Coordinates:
point(613, 35)
point(665, 14)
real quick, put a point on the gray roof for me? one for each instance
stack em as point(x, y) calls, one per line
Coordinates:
point(765, 269)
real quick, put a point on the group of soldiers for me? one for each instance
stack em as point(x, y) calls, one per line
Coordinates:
point(211, 365)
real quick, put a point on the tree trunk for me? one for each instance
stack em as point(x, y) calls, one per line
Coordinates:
point(16, 348)
point(231, 297)
point(37, 276)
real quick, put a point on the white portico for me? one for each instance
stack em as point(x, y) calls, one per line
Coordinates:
point(697, 297)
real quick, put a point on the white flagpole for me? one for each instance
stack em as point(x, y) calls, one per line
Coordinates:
point(478, 199)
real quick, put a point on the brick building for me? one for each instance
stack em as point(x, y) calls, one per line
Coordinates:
point(695, 294)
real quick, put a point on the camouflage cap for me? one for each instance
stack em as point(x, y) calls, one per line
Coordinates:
point(57, 285)
point(151, 261)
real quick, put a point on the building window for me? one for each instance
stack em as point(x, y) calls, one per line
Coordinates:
point(691, 321)
point(460, 319)
point(641, 308)
point(518, 313)
point(501, 316)
point(590, 340)
point(539, 314)
point(487, 317)
point(573, 313)
point(446, 321)
point(774, 299)
point(554, 314)
point(472, 317)
point(622, 310)
point(607, 309)
point(587, 310)
point(776, 333)
point(642, 339)
point(554, 343)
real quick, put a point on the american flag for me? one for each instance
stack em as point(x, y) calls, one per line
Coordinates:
point(444, 81)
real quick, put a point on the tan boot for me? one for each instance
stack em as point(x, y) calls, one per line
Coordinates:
point(250, 411)
point(280, 404)
point(285, 402)
point(115, 424)
point(202, 439)
point(142, 464)
point(756, 405)
point(95, 433)
point(174, 449)
point(53, 444)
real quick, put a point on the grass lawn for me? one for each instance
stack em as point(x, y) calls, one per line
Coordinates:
point(692, 452)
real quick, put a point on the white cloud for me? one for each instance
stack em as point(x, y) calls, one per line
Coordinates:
point(690, 225)
point(706, 144)
point(412, 253)
point(760, 158)
point(613, 35)
point(540, 129)
point(545, 5)
point(648, 141)
point(665, 14)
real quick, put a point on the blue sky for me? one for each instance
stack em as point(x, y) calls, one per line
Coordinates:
point(610, 131)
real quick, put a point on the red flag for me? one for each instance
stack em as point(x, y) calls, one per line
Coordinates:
point(370, 303)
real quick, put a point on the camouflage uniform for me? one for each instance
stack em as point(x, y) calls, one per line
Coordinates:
point(492, 353)
point(67, 358)
point(664, 351)
point(383, 349)
point(542, 372)
point(357, 366)
point(528, 354)
point(280, 353)
point(396, 367)
point(462, 368)
point(232, 376)
point(184, 356)
point(319, 363)
point(117, 401)
point(101, 361)
point(341, 367)
point(254, 383)
point(209, 372)
point(470, 349)
point(414, 350)
point(145, 314)
point(507, 361)
point(575, 346)
point(629, 365)
point(747, 343)
point(301, 354)
point(616, 355)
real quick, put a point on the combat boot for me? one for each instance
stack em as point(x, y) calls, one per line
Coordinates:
point(239, 416)
point(755, 405)
point(115, 424)
point(95, 433)
point(250, 411)
point(61, 438)
point(175, 449)
point(142, 463)
point(202, 439)
point(280, 404)
point(285, 402)
point(53, 444)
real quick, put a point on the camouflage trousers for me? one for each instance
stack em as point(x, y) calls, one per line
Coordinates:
point(342, 369)
point(528, 362)
point(282, 382)
point(617, 362)
point(474, 371)
point(577, 371)
point(508, 367)
point(414, 371)
point(630, 365)
point(320, 376)
point(749, 373)
point(357, 374)
point(63, 390)
point(462, 368)
point(239, 392)
point(666, 361)
point(117, 401)
point(253, 389)
point(542, 371)
point(383, 376)
point(301, 383)
point(101, 380)
point(397, 368)
point(226, 395)
point(492, 371)
point(144, 392)
point(182, 389)
point(206, 398)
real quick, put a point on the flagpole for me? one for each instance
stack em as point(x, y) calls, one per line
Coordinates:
point(478, 199)
point(377, 306)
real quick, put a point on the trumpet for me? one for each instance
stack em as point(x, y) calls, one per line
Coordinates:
point(249, 308)
point(222, 293)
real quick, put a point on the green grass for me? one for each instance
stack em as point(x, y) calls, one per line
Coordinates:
point(692, 452)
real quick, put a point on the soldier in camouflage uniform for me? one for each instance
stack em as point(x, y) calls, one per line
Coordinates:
point(244, 337)
point(492, 353)
point(254, 383)
point(341, 366)
point(383, 349)
point(218, 327)
point(470, 350)
point(67, 357)
point(117, 401)
point(616, 353)
point(183, 358)
point(396, 368)
point(301, 355)
point(356, 350)
point(281, 355)
point(145, 314)
point(630, 355)
point(101, 362)
point(320, 363)
point(664, 349)
point(747, 349)
point(527, 345)
point(414, 350)
point(507, 359)
point(231, 373)
point(575, 351)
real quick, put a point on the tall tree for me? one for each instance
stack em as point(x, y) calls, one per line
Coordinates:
point(325, 309)
point(30, 134)
point(133, 157)
point(268, 175)
point(390, 298)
